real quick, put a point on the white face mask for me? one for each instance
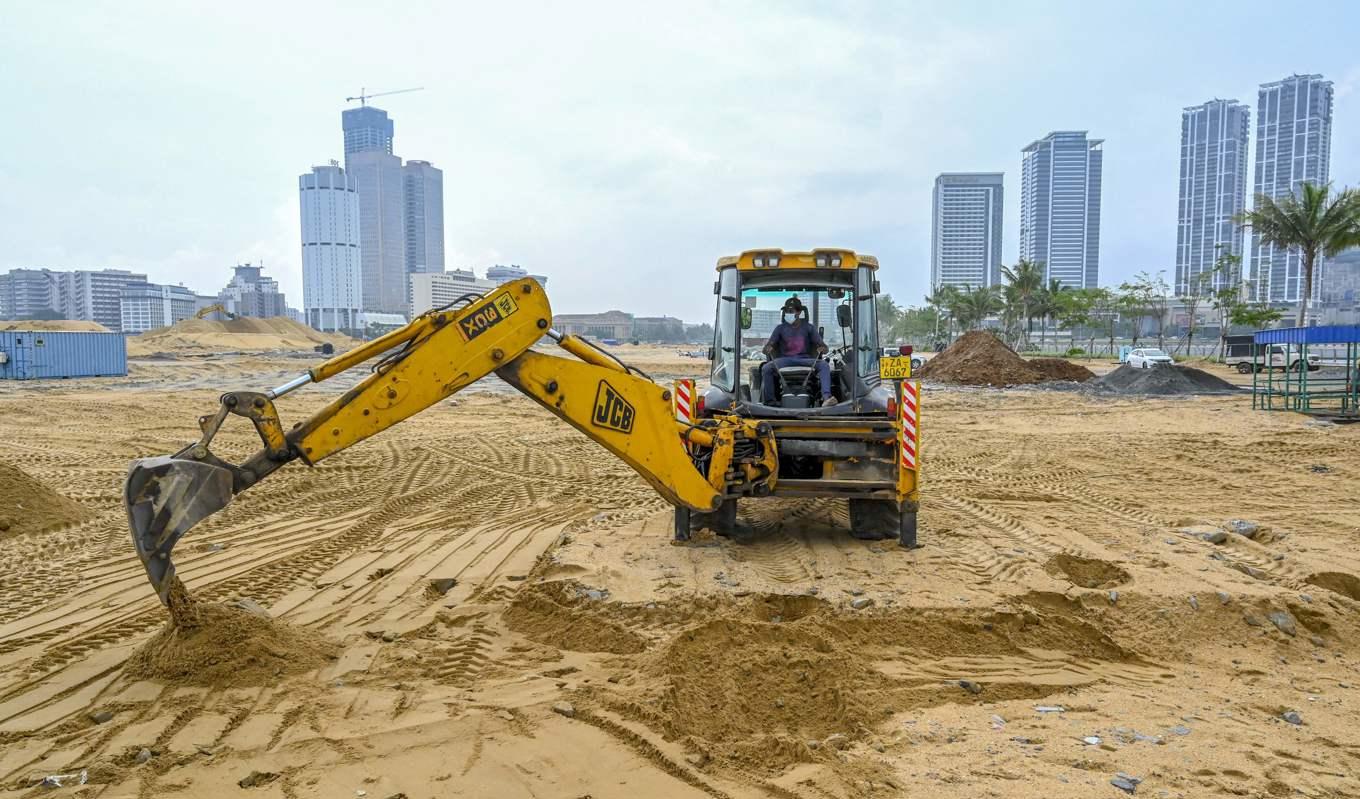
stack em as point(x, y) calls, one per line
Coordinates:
point(790, 317)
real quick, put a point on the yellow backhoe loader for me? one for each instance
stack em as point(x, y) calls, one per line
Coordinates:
point(701, 453)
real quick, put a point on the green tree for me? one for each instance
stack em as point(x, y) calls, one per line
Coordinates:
point(889, 316)
point(945, 302)
point(1313, 221)
point(1254, 315)
point(1073, 309)
point(975, 305)
point(1047, 304)
point(1024, 281)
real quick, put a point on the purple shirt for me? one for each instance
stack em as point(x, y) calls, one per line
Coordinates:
point(790, 341)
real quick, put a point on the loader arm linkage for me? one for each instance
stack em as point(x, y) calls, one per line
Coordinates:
point(433, 357)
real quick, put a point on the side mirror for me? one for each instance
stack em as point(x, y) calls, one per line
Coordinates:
point(715, 287)
point(710, 353)
point(745, 318)
point(843, 315)
point(875, 285)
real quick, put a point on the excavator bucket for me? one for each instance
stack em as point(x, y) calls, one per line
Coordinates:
point(165, 496)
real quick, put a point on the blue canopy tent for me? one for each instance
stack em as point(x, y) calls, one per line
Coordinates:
point(1330, 351)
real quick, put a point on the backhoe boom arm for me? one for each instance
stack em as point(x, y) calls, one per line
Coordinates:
point(431, 358)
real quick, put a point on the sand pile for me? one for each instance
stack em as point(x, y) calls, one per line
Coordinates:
point(223, 646)
point(1161, 380)
point(978, 358)
point(55, 325)
point(245, 334)
point(28, 506)
point(1061, 369)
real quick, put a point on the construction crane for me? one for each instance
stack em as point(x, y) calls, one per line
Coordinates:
point(364, 97)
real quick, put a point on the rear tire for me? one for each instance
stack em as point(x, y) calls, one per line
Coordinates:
point(881, 519)
point(1244, 368)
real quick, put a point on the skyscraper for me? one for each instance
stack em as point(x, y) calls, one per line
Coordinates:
point(332, 280)
point(1060, 206)
point(379, 181)
point(1293, 145)
point(966, 236)
point(1213, 190)
point(424, 217)
point(367, 129)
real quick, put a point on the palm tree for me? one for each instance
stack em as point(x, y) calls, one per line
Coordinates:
point(1312, 220)
point(1026, 279)
point(1047, 304)
point(944, 301)
point(977, 304)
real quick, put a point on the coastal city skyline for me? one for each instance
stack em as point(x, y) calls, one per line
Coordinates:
point(570, 197)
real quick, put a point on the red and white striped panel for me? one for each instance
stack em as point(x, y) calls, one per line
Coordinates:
point(908, 441)
point(684, 401)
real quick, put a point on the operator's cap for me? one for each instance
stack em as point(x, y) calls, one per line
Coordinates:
point(793, 304)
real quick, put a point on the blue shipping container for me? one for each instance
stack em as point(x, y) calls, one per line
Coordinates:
point(38, 354)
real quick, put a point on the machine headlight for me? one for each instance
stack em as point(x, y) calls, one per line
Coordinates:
point(774, 260)
point(835, 260)
point(758, 261)
point(821, 260)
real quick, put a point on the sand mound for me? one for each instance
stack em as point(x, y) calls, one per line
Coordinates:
point(222, 646)
point(55, 325)
point(28, 506)
point(1061, 369)
point(1086, 572)
point(978, 358)
point(1161, 380)
point(732, 682)
point(245, 334)
point(563, 615)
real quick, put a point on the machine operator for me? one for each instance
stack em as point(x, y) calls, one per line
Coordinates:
point(794, 342)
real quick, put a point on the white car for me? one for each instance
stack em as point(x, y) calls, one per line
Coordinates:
point(1147, 357)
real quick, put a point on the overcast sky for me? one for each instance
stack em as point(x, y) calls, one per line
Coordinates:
point(617, 148)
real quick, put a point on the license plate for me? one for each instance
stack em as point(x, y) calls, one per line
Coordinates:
point(897, 367)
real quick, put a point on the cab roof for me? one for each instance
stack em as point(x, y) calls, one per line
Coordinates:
point(763, 260)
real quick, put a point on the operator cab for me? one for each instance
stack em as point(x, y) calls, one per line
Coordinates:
point(830, 291)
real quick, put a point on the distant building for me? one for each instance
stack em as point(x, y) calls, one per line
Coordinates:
point(1060, 180)
point(501, 273)
point(436, 289)
point(379, 179)
point(332, 280)
point(966, 234)
point(146, 306)
point(1341, 283)
point(250, 293)
point(94, 295)
point(1293, 145)
point(1213, 191)
point(658, 328)
point(610, 324)
point(423, 187)
point(28, 293)
point(367, 130)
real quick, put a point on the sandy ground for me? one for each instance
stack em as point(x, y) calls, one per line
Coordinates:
point(1063, 579)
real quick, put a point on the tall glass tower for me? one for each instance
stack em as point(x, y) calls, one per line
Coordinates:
point(966, 235)
point(1293, 145)
point(1213, 190)
point(1060, 206)
point(367, 129)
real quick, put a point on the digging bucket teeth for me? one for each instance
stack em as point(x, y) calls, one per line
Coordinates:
point(165, 497)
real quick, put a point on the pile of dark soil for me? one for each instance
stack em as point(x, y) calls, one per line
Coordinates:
point(1060, 369)
point(28, 506)
point(1161, 380)
point(978, 358)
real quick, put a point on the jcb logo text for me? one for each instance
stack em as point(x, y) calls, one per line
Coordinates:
point(612, 411)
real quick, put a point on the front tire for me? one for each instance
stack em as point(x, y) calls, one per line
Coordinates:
point(1244, 368)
